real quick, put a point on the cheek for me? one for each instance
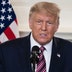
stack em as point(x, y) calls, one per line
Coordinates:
point(52, 30)
point(36, 28)
point(55, 28)
point(31, 26)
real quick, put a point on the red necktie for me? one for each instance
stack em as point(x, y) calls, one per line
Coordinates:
point(41, 66)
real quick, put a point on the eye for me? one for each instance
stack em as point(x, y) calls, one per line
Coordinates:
point(49, 23)
point(39, 22)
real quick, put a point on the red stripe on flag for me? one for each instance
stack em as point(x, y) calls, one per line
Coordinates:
point(10, 35)
point(16, 21)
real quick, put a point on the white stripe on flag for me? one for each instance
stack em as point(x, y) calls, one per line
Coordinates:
point(3, 38)
point(14, 27)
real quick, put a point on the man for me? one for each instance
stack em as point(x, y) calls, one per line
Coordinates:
point(44, 22)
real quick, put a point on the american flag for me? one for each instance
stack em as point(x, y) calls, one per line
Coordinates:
point(8, 22)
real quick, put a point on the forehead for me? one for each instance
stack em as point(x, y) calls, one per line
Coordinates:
point(42, 15)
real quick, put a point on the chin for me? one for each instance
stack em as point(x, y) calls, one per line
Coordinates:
point(42, 42)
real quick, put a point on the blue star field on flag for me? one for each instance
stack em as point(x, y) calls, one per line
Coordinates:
point(7, 15)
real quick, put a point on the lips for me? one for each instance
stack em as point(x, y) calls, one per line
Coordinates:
point(43, 35)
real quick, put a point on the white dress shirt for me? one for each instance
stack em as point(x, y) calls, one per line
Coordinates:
point(47, 52)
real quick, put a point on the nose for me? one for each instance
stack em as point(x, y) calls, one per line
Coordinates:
point(43, 26)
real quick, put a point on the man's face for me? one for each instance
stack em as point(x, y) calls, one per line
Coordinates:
point(43, 27)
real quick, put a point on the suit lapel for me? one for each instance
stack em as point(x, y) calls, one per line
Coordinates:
point(56, 64)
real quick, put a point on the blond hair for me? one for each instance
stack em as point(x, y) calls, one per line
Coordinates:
point(48, 7)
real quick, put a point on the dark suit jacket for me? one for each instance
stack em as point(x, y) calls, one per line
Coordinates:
point(15, 56)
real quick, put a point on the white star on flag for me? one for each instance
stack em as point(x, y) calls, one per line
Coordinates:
point(9, 17)
point(10, 10)
point(9, 2)
point(3, 10)
point(1, 25)
point(2, 17)
point(3, 2)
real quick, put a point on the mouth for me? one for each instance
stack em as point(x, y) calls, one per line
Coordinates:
point(43, 35)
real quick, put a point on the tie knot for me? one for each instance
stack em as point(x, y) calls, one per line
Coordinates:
point(42, 48)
